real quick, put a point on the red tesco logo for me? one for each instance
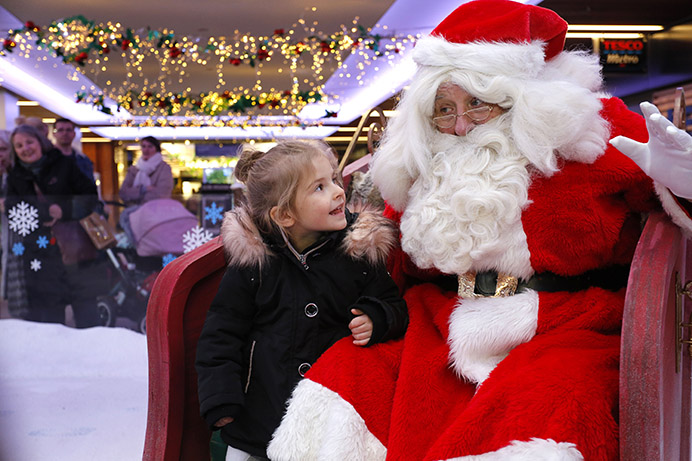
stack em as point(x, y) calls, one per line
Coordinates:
point(623, 45)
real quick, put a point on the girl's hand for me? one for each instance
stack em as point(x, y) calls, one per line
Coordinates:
point(361, 328)
point(223, 421)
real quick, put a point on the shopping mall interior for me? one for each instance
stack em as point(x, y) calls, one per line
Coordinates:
point(210, 77)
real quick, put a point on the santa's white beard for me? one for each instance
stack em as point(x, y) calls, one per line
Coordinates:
point(464, 211)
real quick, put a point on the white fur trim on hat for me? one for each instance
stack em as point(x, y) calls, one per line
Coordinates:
point(533, 450)
point(321, 426)
point(483, 331)
point(501, 58)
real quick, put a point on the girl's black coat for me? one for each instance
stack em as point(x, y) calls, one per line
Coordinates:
point(273, 316)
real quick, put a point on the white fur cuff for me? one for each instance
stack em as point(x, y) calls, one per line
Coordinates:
point(533, 450)
point(483, 331)
point(677, 215)
point(321, 426)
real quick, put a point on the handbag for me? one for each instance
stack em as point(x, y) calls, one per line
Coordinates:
point(75, 244)
point(99, 230)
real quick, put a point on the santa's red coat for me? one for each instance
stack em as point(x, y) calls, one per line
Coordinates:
point(547, 363)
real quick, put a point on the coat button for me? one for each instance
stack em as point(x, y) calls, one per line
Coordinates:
point(303, 368)
point(311, 310)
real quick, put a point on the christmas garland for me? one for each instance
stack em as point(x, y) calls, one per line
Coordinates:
point(207, 104)
point(100, 39)
point(86, 44)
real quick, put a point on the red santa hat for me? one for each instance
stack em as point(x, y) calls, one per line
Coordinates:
point(494, 37)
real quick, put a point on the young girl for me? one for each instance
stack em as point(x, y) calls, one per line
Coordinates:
point(303, 273)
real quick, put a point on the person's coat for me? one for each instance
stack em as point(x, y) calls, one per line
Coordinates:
point(161, 185)
point(61, 182)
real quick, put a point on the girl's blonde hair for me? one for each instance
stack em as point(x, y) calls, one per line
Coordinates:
point(272, 178)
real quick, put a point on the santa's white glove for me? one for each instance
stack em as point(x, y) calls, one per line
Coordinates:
point(667, 157)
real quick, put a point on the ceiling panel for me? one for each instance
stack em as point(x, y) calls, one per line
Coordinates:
point(663, 12)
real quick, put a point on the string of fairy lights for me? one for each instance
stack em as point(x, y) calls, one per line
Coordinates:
point(148, 72)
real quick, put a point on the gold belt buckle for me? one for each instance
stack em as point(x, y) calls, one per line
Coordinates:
point(506, 286)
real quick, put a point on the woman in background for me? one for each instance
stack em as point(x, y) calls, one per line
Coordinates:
point(150, 178)
point(44, 180)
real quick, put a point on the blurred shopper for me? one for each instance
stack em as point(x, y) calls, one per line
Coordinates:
point(4, 153)
point(45, 187)
point(150, 178)
point(13, 286)
point(36, 122)
point(5, 165)
point(5, 256)
point(64, 135)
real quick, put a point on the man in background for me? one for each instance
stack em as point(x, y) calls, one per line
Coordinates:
point(64, 134)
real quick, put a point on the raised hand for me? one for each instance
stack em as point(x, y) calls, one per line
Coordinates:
point(667, 157)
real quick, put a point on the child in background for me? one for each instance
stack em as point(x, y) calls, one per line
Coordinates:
point(303, 273)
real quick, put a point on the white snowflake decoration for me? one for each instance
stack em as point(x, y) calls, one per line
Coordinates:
point(35, 265)
point(195, 237)
point(23, 218)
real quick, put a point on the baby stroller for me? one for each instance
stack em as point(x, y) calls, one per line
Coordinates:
point(158, 227)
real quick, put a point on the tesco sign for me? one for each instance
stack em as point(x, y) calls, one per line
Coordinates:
point(622, 55)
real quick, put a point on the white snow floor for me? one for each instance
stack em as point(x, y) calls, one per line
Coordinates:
point(71, 395)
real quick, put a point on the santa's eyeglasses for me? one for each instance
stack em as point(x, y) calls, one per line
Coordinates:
point(477, 114)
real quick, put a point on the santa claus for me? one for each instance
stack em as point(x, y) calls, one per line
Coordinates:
point(518, 221)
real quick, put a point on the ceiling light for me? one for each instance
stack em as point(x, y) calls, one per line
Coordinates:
point(213, 133)
point(344, 139)
point(27, 103)
point(613, 28)
point(25, 82)
point(351, 129)
point(613, 35)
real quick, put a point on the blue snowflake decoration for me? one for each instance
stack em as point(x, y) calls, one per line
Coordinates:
point(42, 241)
point(18, 249)
point(166, 259)
point(213, 213)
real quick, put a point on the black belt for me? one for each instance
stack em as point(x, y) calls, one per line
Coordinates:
point(611, 278)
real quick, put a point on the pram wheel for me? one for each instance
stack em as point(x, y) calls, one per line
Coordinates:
point(106, 311)
point(143, 324)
